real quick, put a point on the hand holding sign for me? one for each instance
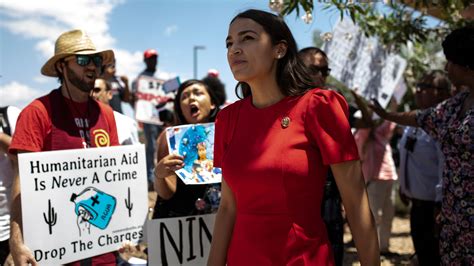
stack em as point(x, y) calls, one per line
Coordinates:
point(169, 164)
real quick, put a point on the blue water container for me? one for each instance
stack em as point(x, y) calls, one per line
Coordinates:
point(99, 205)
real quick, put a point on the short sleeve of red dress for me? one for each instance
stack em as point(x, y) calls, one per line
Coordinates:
point(327, 123)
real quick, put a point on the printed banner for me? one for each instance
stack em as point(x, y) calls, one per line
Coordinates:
point(153, 100)
point(196, 144)
point(80, 203)
point(363, 63)
point(180, 241)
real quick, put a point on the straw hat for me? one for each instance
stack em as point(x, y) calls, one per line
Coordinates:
point(71, 43)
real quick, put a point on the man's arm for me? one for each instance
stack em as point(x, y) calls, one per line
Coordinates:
point(20, 252)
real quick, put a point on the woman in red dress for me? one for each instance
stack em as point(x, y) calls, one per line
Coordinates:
point(275, 147)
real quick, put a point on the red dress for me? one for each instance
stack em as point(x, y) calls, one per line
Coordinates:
point(277, 175)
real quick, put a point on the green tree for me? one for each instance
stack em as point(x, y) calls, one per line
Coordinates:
point(399, 25)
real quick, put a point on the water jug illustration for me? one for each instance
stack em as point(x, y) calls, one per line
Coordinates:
point(98, 205)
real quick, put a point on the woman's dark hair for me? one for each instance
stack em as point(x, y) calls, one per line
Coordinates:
point(217, 87)
point(291, 74)
point(177, 100)
point(458, 47)
point(312, 51)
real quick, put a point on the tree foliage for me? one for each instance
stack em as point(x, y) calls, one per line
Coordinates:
point(401, 26)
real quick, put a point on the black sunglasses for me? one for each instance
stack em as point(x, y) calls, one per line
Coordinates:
point(426, 86)
point(325, 71)
point(84, 60)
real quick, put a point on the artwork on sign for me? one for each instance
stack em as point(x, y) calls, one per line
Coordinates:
point(93, 207)
point(196, 144)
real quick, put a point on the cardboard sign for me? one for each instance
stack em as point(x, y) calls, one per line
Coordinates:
point(171, 85)
point(80, 203)
point(152, 99)
point(195, 143)
point(180, 241)
point(363, 63)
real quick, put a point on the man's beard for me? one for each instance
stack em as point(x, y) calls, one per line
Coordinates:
point(78, 82)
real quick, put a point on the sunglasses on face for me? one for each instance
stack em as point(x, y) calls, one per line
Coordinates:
point(84, 60)
point(424, 86)
point(325, 71)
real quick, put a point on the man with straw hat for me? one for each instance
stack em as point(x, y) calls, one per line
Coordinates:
point(66, 118)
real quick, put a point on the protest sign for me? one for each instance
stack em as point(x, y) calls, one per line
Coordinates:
point(171, 85)
point(80, 203)
point(152, 99)
point(195, 143)
point(363, 63)
point(180, 241)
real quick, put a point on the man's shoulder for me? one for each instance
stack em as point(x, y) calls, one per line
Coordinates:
point(40, 104)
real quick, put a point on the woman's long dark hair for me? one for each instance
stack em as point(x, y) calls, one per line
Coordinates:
point(180, 119)
point(292, 76)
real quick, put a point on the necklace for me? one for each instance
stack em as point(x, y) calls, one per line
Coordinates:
point(82, 123)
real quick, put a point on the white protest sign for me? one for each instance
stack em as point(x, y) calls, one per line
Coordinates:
point(151, 100)
point(363, 63)
point(180, 241)
point(80, 203)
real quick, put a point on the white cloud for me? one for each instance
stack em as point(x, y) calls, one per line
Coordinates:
point(18, 94)
point(44, 21)
point(42, 79)
point(170, 30)
point(129, 64)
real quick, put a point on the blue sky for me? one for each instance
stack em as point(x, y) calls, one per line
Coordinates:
point(28, 30)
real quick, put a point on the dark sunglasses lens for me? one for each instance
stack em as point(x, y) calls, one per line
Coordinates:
point(82, 60)
point(97, 60)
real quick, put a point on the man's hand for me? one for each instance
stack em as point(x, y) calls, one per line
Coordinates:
point(22, 255)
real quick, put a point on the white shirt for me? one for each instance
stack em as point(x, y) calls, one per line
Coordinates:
point(126, 129)
point(422, 167)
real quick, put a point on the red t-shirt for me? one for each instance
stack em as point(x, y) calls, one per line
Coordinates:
point(277, 174)
point(54, 122)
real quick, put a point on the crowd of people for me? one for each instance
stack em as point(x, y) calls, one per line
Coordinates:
point(297, 163)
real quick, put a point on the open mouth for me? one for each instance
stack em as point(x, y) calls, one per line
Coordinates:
point(194, 110)
point(90, 75)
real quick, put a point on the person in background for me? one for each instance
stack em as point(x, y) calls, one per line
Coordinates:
point(379, 171)
point(151, 131)
point(317, 62)
point(421, 168)
point(195, 103)
point(451, 124)
point(274, 147)
point(119, 87)
point(66, 118)
point(126, 126)
point(8, 117)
